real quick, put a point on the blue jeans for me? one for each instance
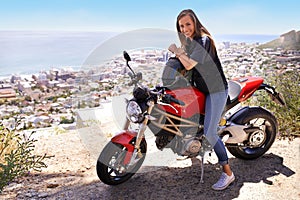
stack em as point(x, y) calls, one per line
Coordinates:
point(214, 106)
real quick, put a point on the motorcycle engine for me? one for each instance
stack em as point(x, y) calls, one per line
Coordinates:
point(164, 140)
point(186, 146)
point(190, 146)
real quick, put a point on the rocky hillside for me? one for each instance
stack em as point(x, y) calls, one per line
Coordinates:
point(288, 41)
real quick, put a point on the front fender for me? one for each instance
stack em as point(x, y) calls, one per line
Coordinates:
point(125, 138)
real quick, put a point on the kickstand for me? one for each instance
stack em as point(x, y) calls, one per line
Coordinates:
point(202, 169)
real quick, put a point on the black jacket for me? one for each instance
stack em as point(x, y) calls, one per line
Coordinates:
point(208, 75)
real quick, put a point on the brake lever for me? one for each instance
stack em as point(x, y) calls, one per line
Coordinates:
point(166, 104)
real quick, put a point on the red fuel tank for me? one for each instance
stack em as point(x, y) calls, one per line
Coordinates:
point(194, 102)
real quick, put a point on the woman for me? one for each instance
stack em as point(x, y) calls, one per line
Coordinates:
point(198, 54)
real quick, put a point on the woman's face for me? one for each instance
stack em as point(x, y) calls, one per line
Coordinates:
point(187, 26)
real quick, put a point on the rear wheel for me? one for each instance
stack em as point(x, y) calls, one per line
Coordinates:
point(110, 166)
point(264, 126)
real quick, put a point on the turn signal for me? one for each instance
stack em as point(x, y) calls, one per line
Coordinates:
point(222, 122)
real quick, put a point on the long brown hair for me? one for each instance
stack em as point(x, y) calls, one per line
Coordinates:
point(200, 30)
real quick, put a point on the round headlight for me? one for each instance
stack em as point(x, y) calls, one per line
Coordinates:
point(134, 112)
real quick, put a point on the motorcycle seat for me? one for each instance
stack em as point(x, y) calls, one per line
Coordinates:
point(234, 89)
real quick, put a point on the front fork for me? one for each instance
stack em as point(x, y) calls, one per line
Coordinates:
point(137, 154)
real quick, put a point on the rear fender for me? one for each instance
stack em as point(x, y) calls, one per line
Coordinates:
point(275, 96)
point(238, 117)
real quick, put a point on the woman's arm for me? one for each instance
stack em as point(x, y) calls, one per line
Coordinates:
point(187, 62)
point(198, 54)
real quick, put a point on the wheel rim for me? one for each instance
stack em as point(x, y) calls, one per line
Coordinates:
point(115, 168)
point(257, 139)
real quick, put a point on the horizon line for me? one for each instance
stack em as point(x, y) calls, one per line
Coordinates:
point(120, 32)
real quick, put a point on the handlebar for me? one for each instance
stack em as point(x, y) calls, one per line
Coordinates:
point(177, 101)
point(135, 78)
point(168, 99)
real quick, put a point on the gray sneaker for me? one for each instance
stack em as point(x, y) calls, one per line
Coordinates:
point(223, 182)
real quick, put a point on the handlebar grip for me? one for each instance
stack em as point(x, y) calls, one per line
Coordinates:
point(177, 101)
point(167, 98)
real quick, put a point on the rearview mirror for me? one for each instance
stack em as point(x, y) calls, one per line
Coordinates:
point(126, 56)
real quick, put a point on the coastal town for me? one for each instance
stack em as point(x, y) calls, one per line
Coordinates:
point(53, 98)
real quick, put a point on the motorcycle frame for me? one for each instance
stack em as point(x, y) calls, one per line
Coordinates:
point(164, 115)
point(167, 117)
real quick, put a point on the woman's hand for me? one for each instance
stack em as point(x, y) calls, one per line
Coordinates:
point(181, 55)
point(172, 48)
point(177, 51)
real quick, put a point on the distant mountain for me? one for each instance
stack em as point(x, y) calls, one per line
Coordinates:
point(288, 41)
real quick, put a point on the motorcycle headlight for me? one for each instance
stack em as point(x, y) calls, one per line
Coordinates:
point(134, 112)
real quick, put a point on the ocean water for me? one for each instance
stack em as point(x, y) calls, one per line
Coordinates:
point(28, 52)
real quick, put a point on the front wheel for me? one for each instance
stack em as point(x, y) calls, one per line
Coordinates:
point(264, 126)
point(111, 168)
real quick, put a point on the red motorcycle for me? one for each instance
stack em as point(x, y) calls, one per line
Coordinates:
point(176, 118)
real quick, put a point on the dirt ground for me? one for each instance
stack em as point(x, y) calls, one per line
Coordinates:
point(71, 174)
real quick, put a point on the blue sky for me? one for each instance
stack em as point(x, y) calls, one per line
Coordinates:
point(219, 16)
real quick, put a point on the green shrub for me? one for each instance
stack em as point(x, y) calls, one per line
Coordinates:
point(64, 120)
point(288, 116)
point(17, 156)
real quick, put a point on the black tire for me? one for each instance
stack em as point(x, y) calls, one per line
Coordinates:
point(112, 175)
point(254, 115)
